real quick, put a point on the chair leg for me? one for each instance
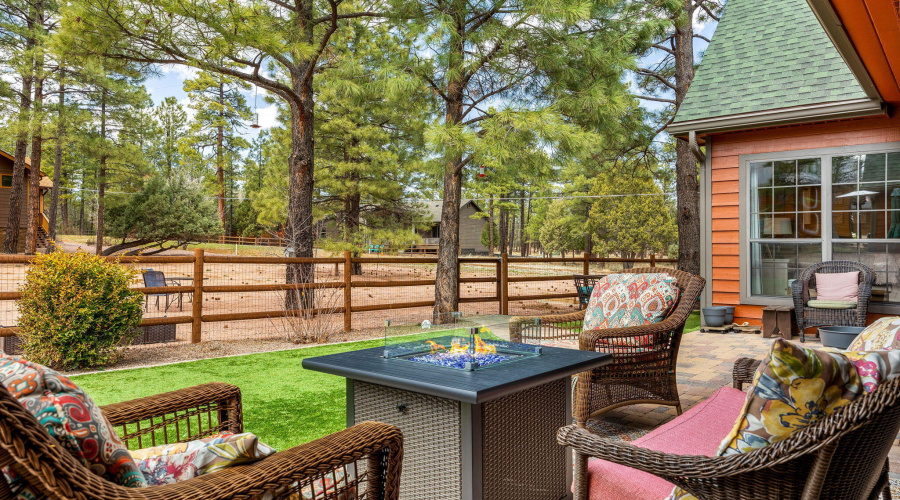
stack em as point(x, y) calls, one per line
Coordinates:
point(580, 483)
point(678, 408)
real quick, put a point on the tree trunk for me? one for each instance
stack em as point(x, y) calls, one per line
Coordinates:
point(491, 223)
point(101, 177)
point(446, 285)
point(220, 156)
point(687, 186)
point(504, 232)
point(17, 190)
point(57, 174)
point(34, 197)
point(352, 216)
point(299, 226)
point(522, 224)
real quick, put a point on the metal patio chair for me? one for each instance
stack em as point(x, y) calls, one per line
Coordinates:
point(157, 279)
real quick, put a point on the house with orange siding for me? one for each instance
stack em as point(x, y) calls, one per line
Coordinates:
point(793, 115)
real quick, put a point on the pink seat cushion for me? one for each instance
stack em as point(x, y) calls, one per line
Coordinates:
point(699, 431)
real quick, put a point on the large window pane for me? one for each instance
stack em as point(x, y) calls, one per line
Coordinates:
point(775, 265)
point(893, 166)
point(761, 174)
point(809, 171)
point(872, 167)
point(786, 173)
point(845, 169)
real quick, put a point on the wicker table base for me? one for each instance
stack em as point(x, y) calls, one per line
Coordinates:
point(501, 449)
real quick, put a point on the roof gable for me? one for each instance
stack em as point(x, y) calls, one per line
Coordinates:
point(766, 55)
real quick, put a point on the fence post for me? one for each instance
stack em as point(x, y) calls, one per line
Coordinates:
point(587, 263)
point(504, 284)
point(197, 303)
point(458, 277)
point(652, 260)
point(348, 291)
point(499, 286)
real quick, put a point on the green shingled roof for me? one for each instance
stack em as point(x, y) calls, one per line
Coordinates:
point(764, 55)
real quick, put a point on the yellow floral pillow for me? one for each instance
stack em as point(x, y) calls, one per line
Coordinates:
point(882, 335)
point(793, 388)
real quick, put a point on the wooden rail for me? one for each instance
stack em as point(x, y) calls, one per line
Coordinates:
point(499, 267)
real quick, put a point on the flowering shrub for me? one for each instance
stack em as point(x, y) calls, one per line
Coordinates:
point(76, 309)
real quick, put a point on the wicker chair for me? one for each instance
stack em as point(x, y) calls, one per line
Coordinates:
point(371, 450)
point(808, 317)
point(642, 373)
point(841, 457)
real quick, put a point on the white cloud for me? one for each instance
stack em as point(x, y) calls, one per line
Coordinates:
point(181, 71)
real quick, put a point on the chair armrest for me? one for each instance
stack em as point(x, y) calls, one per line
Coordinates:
point(180, 415)
point(517, 324)
point(380, 445)
point(589, 337)
point(744, 371)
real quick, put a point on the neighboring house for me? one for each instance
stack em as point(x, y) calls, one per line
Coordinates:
point(6, 171)
point(469, 228)
point(797, 104)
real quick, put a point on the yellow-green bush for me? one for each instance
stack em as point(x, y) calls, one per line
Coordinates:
point(76, 309)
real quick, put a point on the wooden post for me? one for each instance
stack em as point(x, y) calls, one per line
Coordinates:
point(652, 260)
point(587, 263)
point(348, 291)
point(499, 286)
point(197, 304)
point(504, 284)
point(458, 284)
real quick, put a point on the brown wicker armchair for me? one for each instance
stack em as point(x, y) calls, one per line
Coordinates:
point(372, 452)
point(841, 457)
point(808, 317)
point(639, 373)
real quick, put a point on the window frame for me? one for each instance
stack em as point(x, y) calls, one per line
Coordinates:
point(745, 194)
point(10, 181)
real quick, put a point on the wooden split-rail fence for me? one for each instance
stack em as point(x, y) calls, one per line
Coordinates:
point(343, 266)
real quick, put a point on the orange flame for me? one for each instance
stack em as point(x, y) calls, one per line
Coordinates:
point(483, 348)
point(458, 348)
point(435, 347)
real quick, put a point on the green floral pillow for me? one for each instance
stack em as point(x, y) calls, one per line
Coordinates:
point(793, 388)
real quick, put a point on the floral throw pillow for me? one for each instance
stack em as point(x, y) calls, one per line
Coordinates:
point(794, 387)
point(621, 300)
point(882, 335)
point(176, 462)
point(72, 418)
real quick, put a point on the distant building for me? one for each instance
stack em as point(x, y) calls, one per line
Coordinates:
point(6, 172)
point(470, 228)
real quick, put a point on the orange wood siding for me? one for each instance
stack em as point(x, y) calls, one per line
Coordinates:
point(724, 213)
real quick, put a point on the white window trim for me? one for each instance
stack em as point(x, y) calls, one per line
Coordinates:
point(745, 195)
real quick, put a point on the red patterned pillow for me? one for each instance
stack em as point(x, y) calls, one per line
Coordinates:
point(72, 418)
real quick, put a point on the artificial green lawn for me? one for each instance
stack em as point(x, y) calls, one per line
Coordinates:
point(283, 404)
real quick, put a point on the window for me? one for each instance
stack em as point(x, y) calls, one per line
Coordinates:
point(6, 181)
point(834, 205)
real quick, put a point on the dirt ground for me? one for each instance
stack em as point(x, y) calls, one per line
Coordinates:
point(236, 337)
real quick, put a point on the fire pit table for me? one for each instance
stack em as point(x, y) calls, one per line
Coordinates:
point(479, 416)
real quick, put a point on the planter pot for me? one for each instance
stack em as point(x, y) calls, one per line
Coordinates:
point(729, 315)
point(714, 316)
point(838, 337)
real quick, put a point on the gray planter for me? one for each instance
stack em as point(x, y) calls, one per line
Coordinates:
point(729, 315)
point(839, 337)
point(714, 316)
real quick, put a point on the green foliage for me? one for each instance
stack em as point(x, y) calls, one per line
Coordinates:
point(486, 236)
point(631, 225)
point(562, 230)
point(163, 210)
point(76, 309)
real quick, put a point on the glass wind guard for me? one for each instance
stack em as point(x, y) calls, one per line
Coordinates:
point(454, 341)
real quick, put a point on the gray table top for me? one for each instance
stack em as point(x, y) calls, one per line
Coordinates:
point(472, 387)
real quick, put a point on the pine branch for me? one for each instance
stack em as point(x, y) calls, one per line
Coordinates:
point(658, 76)
point(665, 49)
point(697, 35)
point(709, 12)
point(657, 99)
point(353, 15)
point(285, 5)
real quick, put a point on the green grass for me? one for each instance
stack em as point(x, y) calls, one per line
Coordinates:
point(283, 404)
point(693, 322)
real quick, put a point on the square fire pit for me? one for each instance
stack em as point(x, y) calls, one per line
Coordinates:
point(479, 416)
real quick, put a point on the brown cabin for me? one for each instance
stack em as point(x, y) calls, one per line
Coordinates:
point(6, 172)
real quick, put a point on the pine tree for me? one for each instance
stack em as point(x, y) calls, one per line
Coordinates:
point(221, 111)
point(172, 120)
point(509, 78)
